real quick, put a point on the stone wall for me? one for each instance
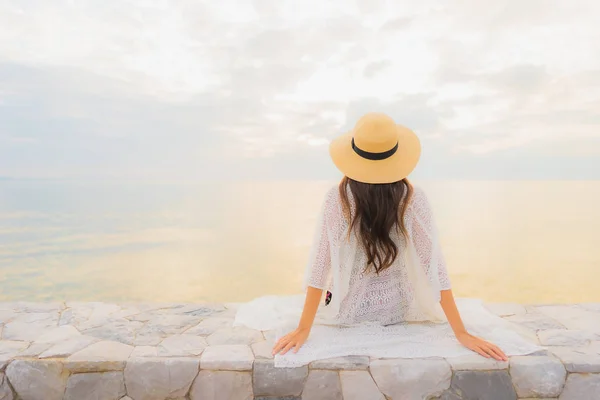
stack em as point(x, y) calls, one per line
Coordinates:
point(100, 351)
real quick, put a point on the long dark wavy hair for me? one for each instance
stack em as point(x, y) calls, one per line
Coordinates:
point(379, 209)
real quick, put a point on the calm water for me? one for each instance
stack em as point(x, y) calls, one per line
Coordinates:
point(504, 241)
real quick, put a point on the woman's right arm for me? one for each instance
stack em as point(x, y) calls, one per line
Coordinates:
point(295, 339)
point(316, 277)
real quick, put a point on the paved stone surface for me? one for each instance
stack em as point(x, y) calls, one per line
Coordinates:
point(581, 386)
point(237, 335)
point(411, 378)
point(350, 363)
point(591, 306)
point(101, 356)
point(563, 337)
point(271, 381)
point(578, 359)
point(480, 385)
point(158, 349)
point(322, 385)
point(537, 376)
point(68, 347)
point(209, 326)
point(181, 345)
point(144, 351)
point(535, 321)
point(118, 330)
point(160, 378)
point(160, 326)
point(237, 357)
point(222, 385)
point(37, 379)
point(475, 362)
point(574, 317)
point(102, 386)
point(34, 350)
point(10, 348)
point(359, 385)
point(28, 331)
point(506, 309)
point(58, 334)
point(263, 349)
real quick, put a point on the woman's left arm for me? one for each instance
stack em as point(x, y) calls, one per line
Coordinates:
point(474, 343)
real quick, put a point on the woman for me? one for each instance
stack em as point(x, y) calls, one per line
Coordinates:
point(376, 251)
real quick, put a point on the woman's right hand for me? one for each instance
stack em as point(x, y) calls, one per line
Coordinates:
point(482, 347)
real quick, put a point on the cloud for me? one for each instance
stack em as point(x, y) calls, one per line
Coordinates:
point(194, 90)
point(374, 68)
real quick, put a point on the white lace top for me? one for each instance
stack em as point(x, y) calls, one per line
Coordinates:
point(406, 291)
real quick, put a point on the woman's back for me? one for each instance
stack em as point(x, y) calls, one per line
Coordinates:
point(386, 297)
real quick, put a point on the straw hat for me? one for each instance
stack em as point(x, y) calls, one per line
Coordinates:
point(377, 150)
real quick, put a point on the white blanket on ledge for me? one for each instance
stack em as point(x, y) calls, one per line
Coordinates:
point(408, 340)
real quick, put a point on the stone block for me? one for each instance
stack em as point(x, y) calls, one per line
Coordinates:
point(537, 376)
point(359, 385)
point(270, 381)
point(6, 392)
point(475, 362)
point(411, 378)
point(581, 386)
point(160, 378)
point(103, 386)
point(222, 385)
point(37, 379)
point(349, 363)
point(236, 357)
point(322, 385)
point(480, 385)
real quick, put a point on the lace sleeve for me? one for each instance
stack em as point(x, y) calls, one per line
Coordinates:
point(318, 270)
point(422, 229)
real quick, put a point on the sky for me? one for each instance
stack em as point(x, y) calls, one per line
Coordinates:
point(189, 90)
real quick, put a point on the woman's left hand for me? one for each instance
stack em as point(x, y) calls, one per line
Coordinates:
point(482, 347)
point(293, 340)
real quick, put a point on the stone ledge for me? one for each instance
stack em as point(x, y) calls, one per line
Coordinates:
point(187, 351)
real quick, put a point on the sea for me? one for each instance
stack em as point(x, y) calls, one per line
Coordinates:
point(509, 241)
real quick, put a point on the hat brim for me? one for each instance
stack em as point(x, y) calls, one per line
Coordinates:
point(389, 170)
